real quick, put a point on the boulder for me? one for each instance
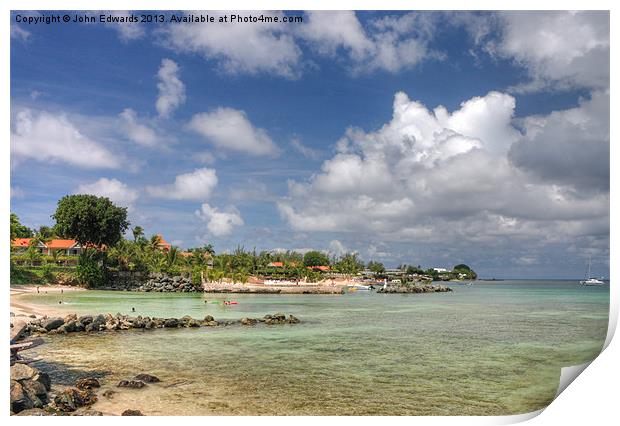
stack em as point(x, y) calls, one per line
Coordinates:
point(19, 398)
point(171, 323)
point(248, 321)
point(85, 319)
point(36, 392)
point(147, 378)
point(52, 323)
point(132, 413)
point(21, 371)
point(84, 383)
point(208, 318)
point(132, 384)
point(70, 326)
point(71, 399)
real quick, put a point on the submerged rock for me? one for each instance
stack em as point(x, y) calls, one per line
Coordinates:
point(132, 413)
point(84, 383)
point(133, 384)
point(147, 378)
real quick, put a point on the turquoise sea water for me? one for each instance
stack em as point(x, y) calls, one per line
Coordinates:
point(490, 348)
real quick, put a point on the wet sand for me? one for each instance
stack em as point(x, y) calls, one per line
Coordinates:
point(22, 308)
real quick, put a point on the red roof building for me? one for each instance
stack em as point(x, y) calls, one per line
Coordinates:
point(69, 247)
point(163, 244)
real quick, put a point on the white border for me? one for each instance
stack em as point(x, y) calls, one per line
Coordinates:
point(593, 397)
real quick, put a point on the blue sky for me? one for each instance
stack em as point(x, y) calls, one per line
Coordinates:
point(423, 138)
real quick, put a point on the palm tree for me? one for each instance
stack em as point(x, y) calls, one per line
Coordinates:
point(137, 232)
point(208, 248)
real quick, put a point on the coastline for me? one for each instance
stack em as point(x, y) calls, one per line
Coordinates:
point(21, 308)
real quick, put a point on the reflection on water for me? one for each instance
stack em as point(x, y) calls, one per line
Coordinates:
point(492, 348)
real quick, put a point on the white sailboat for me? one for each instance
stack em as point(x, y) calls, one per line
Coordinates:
point(590, 280)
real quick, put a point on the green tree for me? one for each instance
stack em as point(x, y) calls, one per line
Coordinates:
point(315, 258)
point(90, 219)
point(46, 233)
point(89, 270)
point(18, 230)
point(376, 267)
point(462, 267)
point(137, 232)
point(349, 263)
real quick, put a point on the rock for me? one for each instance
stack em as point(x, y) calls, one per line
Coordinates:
point(53, 323)
point(171, 323)
point(71, 399)
point(21, 371)
point(132, 413)
point(70, 317)
point(133, 384)
point(98, 321)
point(84, 383)
point(19, 399)
point(208, 318)
point(293, 320)
point(85, 320)
point(70, 326)
point(147, 378)
point(193, 323)
point(248, 321)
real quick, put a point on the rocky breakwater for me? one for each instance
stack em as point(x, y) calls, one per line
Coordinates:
point(165, 283)
point(155, 281)
point(99, 323)
point(414, 288)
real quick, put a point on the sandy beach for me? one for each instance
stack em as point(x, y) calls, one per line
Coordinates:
point(19, 307)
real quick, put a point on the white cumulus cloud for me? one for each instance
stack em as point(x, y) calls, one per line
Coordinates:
point(171, 88)
point(239, 48)
point(220, 223)
point(468, 175)
point(230, 129)
point(196, 185)
point(48, 137)
point(138, 132)
point(115, 190)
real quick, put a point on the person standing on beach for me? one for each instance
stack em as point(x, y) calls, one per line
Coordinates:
point(37, 289)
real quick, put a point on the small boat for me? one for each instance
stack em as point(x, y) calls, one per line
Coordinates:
point(588, 280)
point(361, 287)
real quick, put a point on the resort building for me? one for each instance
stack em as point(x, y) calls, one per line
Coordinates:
point(322, 268)
point(163, 244)
point(64, 247)
point(440, 270)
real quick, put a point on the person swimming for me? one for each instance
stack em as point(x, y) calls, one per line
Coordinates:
point(133, 309)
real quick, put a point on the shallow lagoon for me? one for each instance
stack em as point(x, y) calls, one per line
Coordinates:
point(490, 348)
